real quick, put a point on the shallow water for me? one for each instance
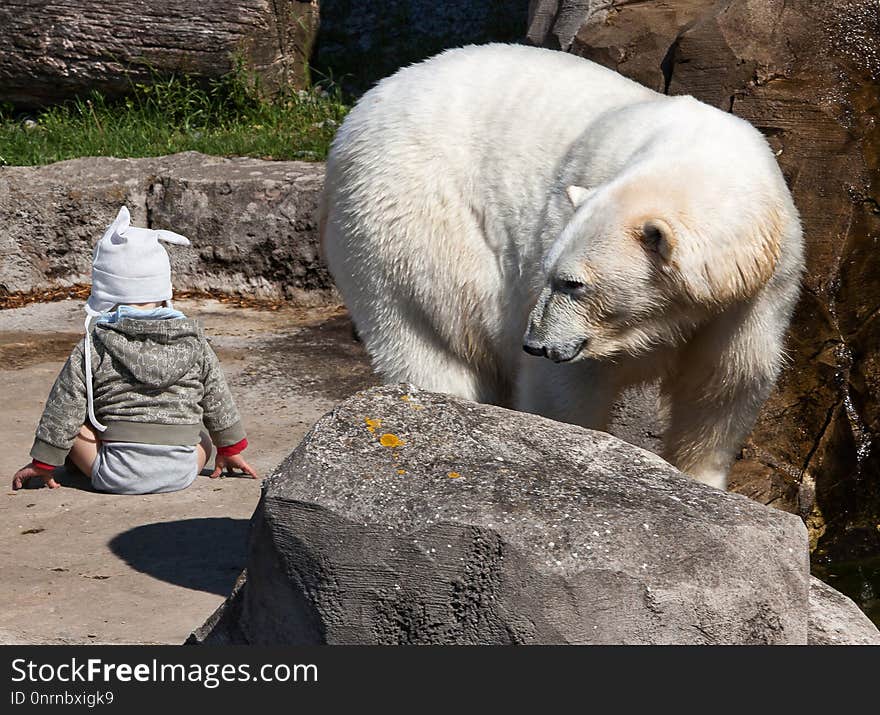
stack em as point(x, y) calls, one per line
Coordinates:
point(859, 579)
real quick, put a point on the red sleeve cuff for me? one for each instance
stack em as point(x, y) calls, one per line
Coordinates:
point(231, 449)
point(42, 465)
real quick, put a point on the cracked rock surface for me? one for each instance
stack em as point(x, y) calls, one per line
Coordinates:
point(807, 74)
point(252, 223)
point(836, 620)
point(411, 517)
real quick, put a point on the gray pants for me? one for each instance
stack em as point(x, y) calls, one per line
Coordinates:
point(133, 468)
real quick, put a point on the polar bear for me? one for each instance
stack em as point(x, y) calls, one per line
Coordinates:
point(524, 227)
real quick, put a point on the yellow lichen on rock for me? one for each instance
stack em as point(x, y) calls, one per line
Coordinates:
point(391, 440)
point(372, 425)
point(453, 475)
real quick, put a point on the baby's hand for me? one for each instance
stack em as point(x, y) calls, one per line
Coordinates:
point(25, 474)
point(227, 464)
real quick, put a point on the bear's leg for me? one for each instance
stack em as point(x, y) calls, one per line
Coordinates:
point(718, 387)
point(707, 426)
point(580, 393)
point(405, 352)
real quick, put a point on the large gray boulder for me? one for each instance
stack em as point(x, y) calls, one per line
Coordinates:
point(411, 517)
point(252, 223)
point(53, 51)
point(836, 620)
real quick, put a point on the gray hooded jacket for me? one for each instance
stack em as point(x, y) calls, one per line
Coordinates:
point(155, 382)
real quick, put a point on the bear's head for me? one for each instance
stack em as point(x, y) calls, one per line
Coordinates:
point(646, 258)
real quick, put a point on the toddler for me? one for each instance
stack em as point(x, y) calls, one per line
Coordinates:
point(129, 404)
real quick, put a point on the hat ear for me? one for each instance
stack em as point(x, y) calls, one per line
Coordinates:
point(122, 220)
point(114, 230)
point(171, 237)
point(145, 234)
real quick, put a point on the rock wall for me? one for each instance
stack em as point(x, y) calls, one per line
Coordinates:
point(361, 41)
point(807, 74)
point(52, 51)
point(252, 223)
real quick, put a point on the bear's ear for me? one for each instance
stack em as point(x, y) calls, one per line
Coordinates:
point(578, 194)
point(658, 237)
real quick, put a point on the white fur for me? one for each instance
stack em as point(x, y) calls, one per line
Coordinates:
point(650, 237)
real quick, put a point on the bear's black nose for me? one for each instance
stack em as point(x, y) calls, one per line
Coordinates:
point(538, 350)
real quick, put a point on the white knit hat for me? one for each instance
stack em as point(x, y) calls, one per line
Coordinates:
point(129, 265)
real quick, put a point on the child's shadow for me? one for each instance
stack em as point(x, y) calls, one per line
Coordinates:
point(204, 554)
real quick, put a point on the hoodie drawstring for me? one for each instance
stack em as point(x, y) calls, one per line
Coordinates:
point(88, 355)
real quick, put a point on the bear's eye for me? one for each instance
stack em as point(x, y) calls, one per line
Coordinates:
point(570, 287)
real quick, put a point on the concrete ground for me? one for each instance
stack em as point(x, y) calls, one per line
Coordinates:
point(83, 567)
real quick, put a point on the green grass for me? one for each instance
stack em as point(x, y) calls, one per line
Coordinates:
point(228, 117)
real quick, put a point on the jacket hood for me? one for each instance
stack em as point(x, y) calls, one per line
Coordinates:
point(156, 352)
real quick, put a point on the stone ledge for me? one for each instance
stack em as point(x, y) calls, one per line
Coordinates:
point(252, 223)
